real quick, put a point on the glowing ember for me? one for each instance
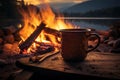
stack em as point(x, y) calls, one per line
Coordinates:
point(33, 17)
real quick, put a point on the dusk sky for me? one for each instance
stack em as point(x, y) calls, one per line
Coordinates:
point(56, 3)
point(36, 2)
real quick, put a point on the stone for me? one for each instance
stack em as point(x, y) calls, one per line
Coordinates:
point(1, 33)
point(117, 44)
point(110, 41)
point(114, 34)
point(115, 50)
point(2, 62)
point(7, 48)
point(102, 38)
point(11, 49)
point(9, 30)
point(15, 49)
point(1, 49)
point(9, 38)
point(103, 32)
point(1, 40)
point(17, 37)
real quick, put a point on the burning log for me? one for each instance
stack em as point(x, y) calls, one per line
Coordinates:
point(52, 31)
point(49, 30)
point(28, 42)
point(43, 48)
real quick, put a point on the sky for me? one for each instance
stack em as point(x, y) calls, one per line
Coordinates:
point(37, 2)
point(56, 3)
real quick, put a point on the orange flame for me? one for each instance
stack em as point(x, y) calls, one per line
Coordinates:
point(33, 17)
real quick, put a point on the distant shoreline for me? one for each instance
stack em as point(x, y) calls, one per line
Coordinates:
point(89, 18)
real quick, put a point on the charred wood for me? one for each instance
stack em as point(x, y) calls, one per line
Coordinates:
point(28, 42)
point(52, 31)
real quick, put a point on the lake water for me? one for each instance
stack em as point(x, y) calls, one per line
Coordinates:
point(98, 23)
point(83, 24)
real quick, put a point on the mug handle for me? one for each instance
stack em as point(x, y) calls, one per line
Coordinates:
point(97, 43)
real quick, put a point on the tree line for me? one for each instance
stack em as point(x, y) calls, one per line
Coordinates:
point(108, 12)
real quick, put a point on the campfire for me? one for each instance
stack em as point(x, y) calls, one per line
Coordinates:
point(40, 32)
point(38, 40)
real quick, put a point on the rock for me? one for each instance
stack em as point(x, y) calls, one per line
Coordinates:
point(110, 41)
point(103, 32)
point(115, 50)
point(9, 38)
point(102, 38)
point(1, 49)
point(11, 49)
point(116, 44)
point(9, 30)
point(2, 62)
point(15, 49)
point(115, 34)
point(1, 33)
point(1, 40)
point(115, 30)
point(17, 37)
point(7, 48)
point(103, 48)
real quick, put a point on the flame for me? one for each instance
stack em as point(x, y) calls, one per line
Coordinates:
point(33, 16)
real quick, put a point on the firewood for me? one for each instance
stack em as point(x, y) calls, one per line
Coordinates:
point(28, 42)
point(41, 58)
point(49, 30)
point(52, 31)
point(43, 48)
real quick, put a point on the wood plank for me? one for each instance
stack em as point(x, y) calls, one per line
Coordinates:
point(102, 65)
point(24, 75)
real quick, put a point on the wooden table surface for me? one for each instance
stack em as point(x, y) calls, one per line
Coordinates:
point(96, 64)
